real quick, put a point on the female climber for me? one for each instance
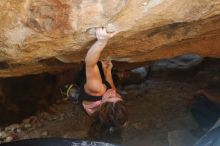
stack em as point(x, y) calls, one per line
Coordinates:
point(98, 94)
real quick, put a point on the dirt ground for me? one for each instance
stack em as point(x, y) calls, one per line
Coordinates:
point(156, 106)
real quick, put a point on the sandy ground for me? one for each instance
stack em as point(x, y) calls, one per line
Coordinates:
point(156, 108)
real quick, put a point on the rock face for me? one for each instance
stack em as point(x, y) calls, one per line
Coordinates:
point(35, 35)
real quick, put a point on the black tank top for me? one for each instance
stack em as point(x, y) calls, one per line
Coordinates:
point(85, 96)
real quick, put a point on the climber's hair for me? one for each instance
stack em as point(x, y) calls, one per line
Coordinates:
point(109, 119)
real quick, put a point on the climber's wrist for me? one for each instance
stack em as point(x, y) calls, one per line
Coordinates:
point(102, 41)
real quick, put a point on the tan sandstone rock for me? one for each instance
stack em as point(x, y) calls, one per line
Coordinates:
point(35, 35)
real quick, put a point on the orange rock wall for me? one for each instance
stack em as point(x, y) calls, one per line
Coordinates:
point(32, 31)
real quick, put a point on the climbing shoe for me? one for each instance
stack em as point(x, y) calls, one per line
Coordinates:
point(71, 92)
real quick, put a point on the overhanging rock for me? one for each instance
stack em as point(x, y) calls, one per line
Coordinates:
point(35, 31)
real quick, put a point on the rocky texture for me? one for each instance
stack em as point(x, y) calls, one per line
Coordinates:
point(182, 62)
point(36, 30)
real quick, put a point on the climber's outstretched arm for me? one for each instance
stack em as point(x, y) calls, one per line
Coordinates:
point(93, 78)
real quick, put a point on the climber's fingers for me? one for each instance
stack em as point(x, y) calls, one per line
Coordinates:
point(102, 34)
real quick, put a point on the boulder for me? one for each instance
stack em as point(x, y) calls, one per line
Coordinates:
point(49, 35)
